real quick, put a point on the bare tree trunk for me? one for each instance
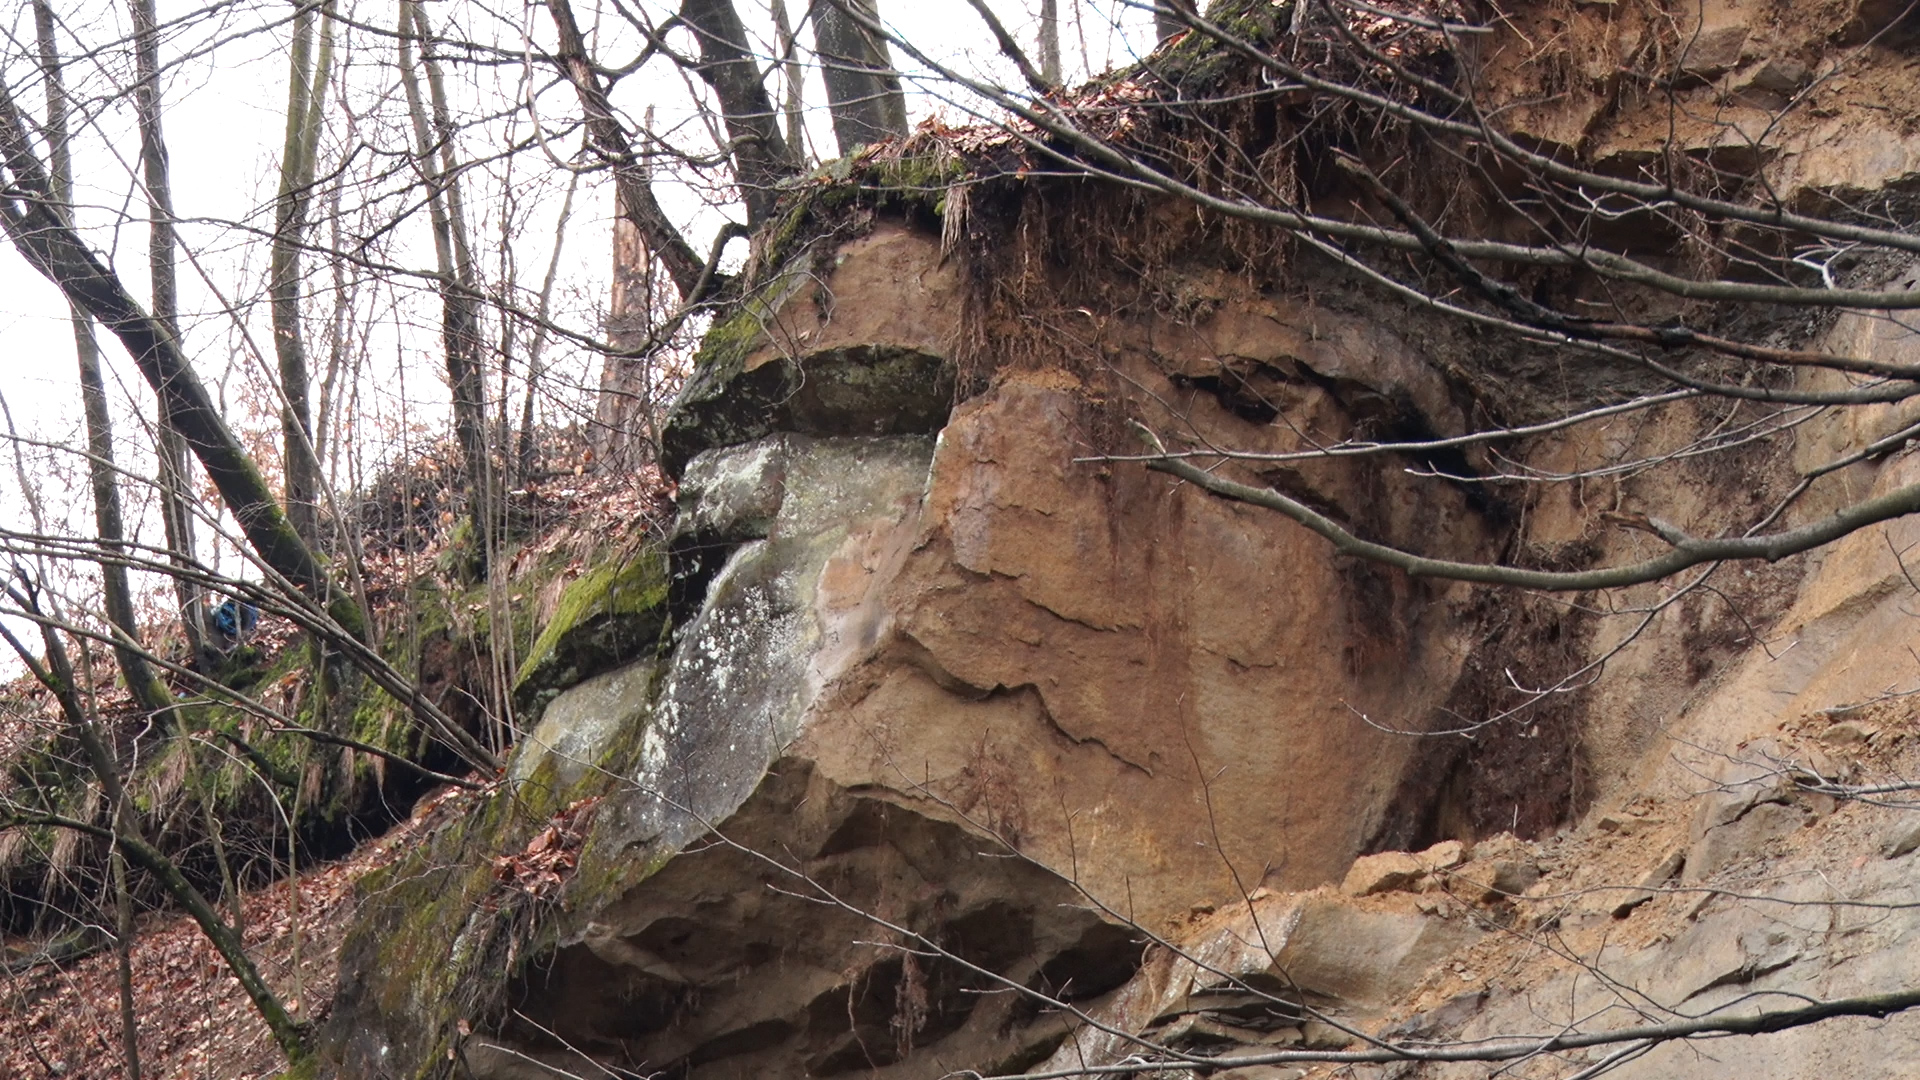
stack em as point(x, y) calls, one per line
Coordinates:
point(146, 687)
point(761, 158)
point(460, 324)
point(791, 77)
point(624, 377)
point(123, 933)
point(306, 98)
point(524, 453)
point(1165, 22)
point(610, 141)
point(49, 243)
point(175, 478)
point(1050, 41)
point(863, 90)
point(50, 246)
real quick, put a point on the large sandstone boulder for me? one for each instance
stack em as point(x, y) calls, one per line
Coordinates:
point(967, 691)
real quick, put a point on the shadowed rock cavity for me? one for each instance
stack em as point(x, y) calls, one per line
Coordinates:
point(754, 956)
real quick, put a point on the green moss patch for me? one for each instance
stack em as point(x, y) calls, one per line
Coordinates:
point(613, 613)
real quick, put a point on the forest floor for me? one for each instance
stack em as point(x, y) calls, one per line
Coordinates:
point(194, 1020)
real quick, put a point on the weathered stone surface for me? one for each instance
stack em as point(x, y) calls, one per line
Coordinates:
point(1738, 821)
point(1714, 49)
point(1389, 871)
point(1662, 873)
point(732, 494)
point(584, 724)
point(1151, 692)
point(1282, 951)
point(1902, 839)
point(1385, 872)
point(795, 359)
point(748, 669)
point(1445, 855)
point(979, 689)
point(726, 963)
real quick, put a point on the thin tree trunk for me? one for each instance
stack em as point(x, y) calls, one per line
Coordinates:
point(524, 453)
point(123, 931)
point(306, 99)
point(52, 247)
point(1165, 22)
point(624, 376)
point(863, 90)
point(335, 401)
point(175, 478)
point(146, 687)
point(761, 158)
point(1050, 41)
point(55, 250)
point(460, 324)
point(791, 77)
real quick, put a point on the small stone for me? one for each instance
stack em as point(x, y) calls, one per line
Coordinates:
point(1903, 839)
point(1667, 869)
point(1315, 1035)
point(1386, 872)
point(1714, 50)
point(1513, 877)
point(1781, 75)
point(1494, 880)
point(1848, 733)
point(1444, 855)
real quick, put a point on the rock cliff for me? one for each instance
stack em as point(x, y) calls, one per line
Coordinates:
point(956, 700)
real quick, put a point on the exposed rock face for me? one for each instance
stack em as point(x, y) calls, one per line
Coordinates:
point(795, 360)
point(727, 963)
point(937, 681)
point(899, 658)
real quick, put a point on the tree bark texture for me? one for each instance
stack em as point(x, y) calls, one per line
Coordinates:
point(863, 90)
point(460, 316)
point(761, 158)
point(610, 141)
point(306, 98)
point(175, 477)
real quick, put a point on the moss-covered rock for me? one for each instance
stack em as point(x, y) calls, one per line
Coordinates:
point(438, 936)
point(613, 613)
point(789, 358)
point(857, 390)
point(582, 730)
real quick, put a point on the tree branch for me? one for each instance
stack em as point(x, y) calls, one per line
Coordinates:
point(1687, 550)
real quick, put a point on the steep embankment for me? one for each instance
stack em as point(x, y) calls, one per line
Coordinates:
point(944, 675)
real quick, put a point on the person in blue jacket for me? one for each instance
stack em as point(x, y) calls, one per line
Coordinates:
point(233, 623)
